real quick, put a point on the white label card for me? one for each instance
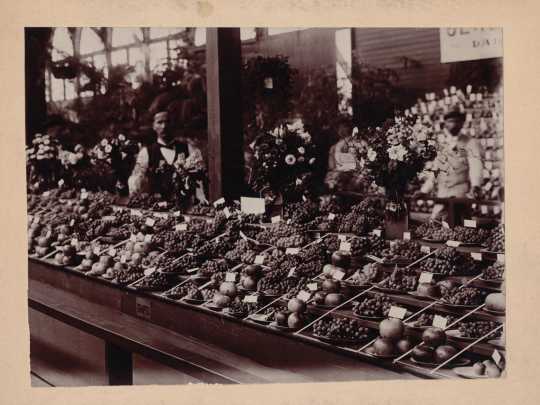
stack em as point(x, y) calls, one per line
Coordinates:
point(397, 312)
point(292, 272)
point(304, 296)
point(276, 219)
point(496, 356)
point(406, 236)
point(181, 227)
point(133, 238)
point(84, 195)
point(259, 259)
point(162, 204)
point(72, 222)
point(60, 182)
point(440, 321)
point(176, 213)
point(74, 242)
point(342, 238)
point(425, 249)
point(149, 271)
point(49, 234)
point(123, 259)
point(453, 243)
point(227, 212)
point(161, 215)
point(187, 220)
point(250, 205)
point(149, 222)
point(476, 256)
point(252, 299)
point(331, 216)
point(292, 251)
point(345, 246)
point(496, 209)
point(112, 252)
point(338, 275)
point(425, 277)
point(46, 194)
point(218, 202)
point(148, 238)
point(377, 232)
point(230, 277)
point(500, 258)
point(96, 250)
point(312, 287)
point(484, 209)
point(469, 223)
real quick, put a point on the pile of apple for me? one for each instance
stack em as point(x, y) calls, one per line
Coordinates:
point(340, 262)
point(66, 256)
point(251, 274)
point(330, 294)
point(433, 348)
point(295, 316)
point(391, 340)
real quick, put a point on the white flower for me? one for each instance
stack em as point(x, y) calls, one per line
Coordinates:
point(108, 148)
point(397, 152)
point(109, 161)
point(79, 155)
point(104, 142)
point(301, 150)
point(279, 141)
point(298, 182)
point(306, 137)
point(297, 125)
point(124, 154)
point(290, 160)
point(78, 148)
point(100, 155)
point(311, 161)
point(371, 155)
point(355, 131)
point(121, 137)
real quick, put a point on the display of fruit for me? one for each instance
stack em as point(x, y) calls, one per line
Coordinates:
point(470, 235)
point(449, 262)
point(399, 280)
point(213, 266)
point(425, 319)
point(495, 241)
point(296, 320)
point(402, 252)
point(333, 299)
point(341, 259)
point(469, 296)
point(496, 302)
point(428, 290)
point(434, 337)
point(156, 282)
point(229, 289)
point(494, 272)
point(363, 217)
point(477, 329)
point(241, 247)
point(384, 347)
point(296, 305)
point(278, 231)
point(391, 329)
point(341, 329)
point(301, 212)
point(423, 353)
point(370, 273)
point(240, 308)
point(432, 231)
point(377, 306)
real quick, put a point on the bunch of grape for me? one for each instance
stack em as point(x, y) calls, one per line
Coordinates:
point(217, 279)
point(363, 217)
point(277, 231)
point(202, 209)
point(194, 293)
point(155, 282)
point(477, 329)
point(180, 290)
point(331, 243)
point(342, 329)
point(240, 247)
point(402, 250)
point(332, 204)
point(293, 241)
point(398, 280)
point(239, 307)
point(470, 235)
point(208, 294)
point(309, 269)
point(376, 306)
point(301, 212)
point(432, 230)
point(143, 200)
point(313, 253)
point(213, 266)
point(426, 319)
point(449, 262)
point(466, 296)
point(495, 241)
point(276, 282)
point(376, 245)
point(164, 262)
point(324, 224)
point(187, 262)
point(494, 272)
point(296, 285)
point(248, 257)
point(360, 246)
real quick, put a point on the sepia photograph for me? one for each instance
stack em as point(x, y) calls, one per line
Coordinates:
point(261, 205)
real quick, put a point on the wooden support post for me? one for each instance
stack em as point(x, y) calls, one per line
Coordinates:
point(119, 365)
point(225, 137)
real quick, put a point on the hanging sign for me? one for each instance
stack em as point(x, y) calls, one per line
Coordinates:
point(462, 44)
point(250, 205)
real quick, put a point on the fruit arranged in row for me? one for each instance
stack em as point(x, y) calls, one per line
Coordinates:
point(495, 242)
point(402, 252)
point(494, 272)
point(377, 306)
point(477, 329)
point(344, 329)
point(399, 280)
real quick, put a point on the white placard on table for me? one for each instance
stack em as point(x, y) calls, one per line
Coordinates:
point(276, 219)
point(181, 227)
point(304, 295)
point(469, 223)
point(74, 242)
point(48, 234)
point(251, 205)
point(312, 287)
point(227, 212)
point(218, 202)
point(484, 209)
point(84, 195)
point(72, 222)
point(123, 259)
point(342, 238)
point(230, 277)
point(476, 256)
point(177, 213)
point(292, 251)
point(259, 259)
point(252, 299)
point(406, 236)
point(149, 271)
point(345, 246)
point(162, 204)
point(496, 209)
point(440, 321)
point(96, 250)
point(397, 312)
point(338, 275)
point(425, 277)
point(60, 182)
point(112, 252)
point(187, 220)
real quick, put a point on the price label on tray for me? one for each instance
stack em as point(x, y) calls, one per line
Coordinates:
point(469, 223)
point(231, 277)
point(453, 243)
point(123, 259)
point(218, 202)
point(181, 227)
point(345, 246)
point(377, 232)
point(259, 259)
point(342, 238)
point(484, 209)
point(162, 204)
point(72, 222)
point(304, 296)
point(440, 321)
point(490, 142)
point(149, 222)
point(37, 218)
point(187, 220)
point(49, 234)
point(112, 252)
point(497, 357)
point(292, 272)
point(84, 195)
point(476, 256)
point(406, 236)
point(176, 213)
point(425, 249)
point(136, 213)
point(161, 215)
point(496, 209)
point(133, 238)
point(251, 299)
point(148, 238)
point(331, 216)
point(276, 219)
point(397, 312)
point(250, 205)
point(60, 182)
point(500, 258)
point(96, 250)
point(338, 275)
point(149, 271)
point(312, 287)
point(425, 277)
point(292, 251)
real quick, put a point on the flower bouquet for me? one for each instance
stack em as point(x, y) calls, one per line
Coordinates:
point(43, 166)
point(283, 161)
point(396, 153)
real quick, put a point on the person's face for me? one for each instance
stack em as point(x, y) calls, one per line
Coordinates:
point(161, 125)
point(453, 125)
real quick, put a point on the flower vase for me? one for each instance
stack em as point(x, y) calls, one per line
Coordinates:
point(396, 216)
